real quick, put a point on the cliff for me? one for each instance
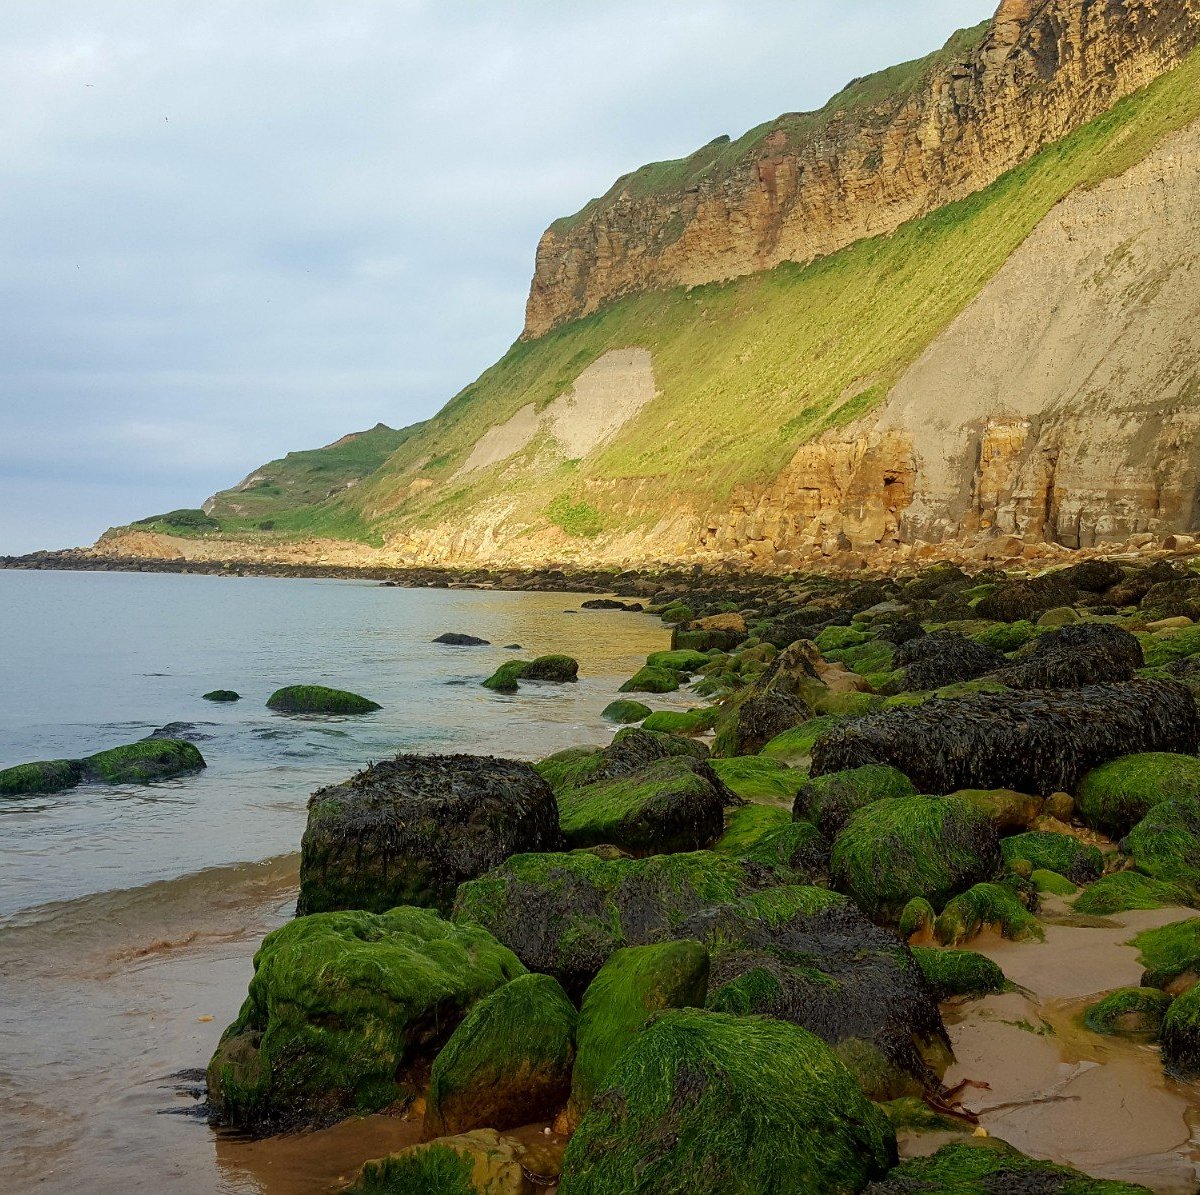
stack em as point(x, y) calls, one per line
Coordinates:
point(888, 148)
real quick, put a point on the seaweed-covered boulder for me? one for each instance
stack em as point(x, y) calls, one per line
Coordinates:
point(685, 661)
point(808, 956)
point(1125, 890)
point(1079, 861)
point(481, 1162)
point(747, 825)
point(1093, 576)
point(1037, 743)
point(44, 776)
point(561, 669)
point(143, 762)
point(508, 1063)
point(942, 658)
point(1181, 1036)
point(341, 1009)
point(794, 747)
point(829, 801)
point(1087, 653)
point(797, 849)
point(625, 712)
point(505, 679)
point(1165, 844)
point(686, 722)
point(409, 830)
point(651, 680)
point(958, 972)
point(318, 699)
point(1171, 955)
point(989, 1166)
point(565, 914)
point(987, 906)
point(629, 989)
point(1014, 600)
point(1129, 1012)
point(1007, 810)
point(916, 921)
point(670, 805)
point(1114, 797)
point(759, 778)
point(221, 695)
point(903, 847)
point(719, 1105)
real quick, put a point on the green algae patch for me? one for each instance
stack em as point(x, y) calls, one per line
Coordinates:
point(684, 660)
point(1005, 636)
point(1181, 1036)
point(831, 800)
point(508, 1063)
point(341, 1005)
point(651, 680)
point(220, 695)
point(1114, 797)
point(44, 776)
point(747, 825)
point(629, 989)
point(917, 919)
point(481, 1162)
point(958, 972)
point(1166, 843)
point(318, 699)
point(1051, 882)
point(758, 778)
point(560, 669)
point(987, 906)
point(798, 848)
point(1129, 1012)
point(505, 678)
point(903, 847)
point(713, 1104)
point(911, 1114)
point(691, 722)
point(625, 712)
point(1079, 861)
point(989, 1166)
point(1126, 890)
point(1170, 953)
point(840, 638)
point(144, 761)
point(796, 745)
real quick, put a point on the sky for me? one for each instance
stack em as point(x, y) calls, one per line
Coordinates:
point(236, 228)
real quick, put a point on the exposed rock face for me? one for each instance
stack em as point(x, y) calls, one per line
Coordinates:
point(812, 183)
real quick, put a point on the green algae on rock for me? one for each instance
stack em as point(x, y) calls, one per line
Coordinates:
point(508, 1063)
point(409, 830)
point(1125, 890)
point(1129, 1012)
point(505, 678)
point(1170, 954)
point(481, 1162)
point(557, 668)
point(1051, 882)
point(689, 722)
point(1114, 797)
point(757, 778)
point(625, 712)
point(1165, 844)
point(829, 801)
point(341, 1007)
point(902, 847)
point(796, 848)
point(1079, 861)
point(796, 745)
point(318, 699)
point(143, 762)
point(719, 1105)
point(651, 680)
point(222, 695)
point(44, 776)
point(746, 825)
point(633, 985)
point(684, 660)
point(917, 920)
point(1181, 1036)
point(987, 906)
point(958, 972)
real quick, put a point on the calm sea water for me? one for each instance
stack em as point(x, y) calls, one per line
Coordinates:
point(129, 915)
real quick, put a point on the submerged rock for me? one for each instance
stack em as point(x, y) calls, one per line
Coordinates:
point(43, 776)
point(454, 639)
point(719, 1105)
point(317, 699)
point(409, 830)
point(341, 1008)
point(222, 695)
point(142, 762)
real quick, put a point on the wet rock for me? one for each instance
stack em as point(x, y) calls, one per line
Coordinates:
point(1014, 600)
point(481, 1162)
point(958, 972)
point(707, 1103)
point(1117, 795)
point(560, 669)
point(943, 658)
point(454, 639)
point(42, 776)
point(690, 722)
point(1171, 955)
point(987, 906)
point(409, 830)
point(187, 731)
point(626, 712)
point(1085, 654)
point(222, 695)
point(652, 680)
point(1093, 576)
point(1181, 1036)
point(1165, 844)
point(1079, 861)
point(343, 1008)
point(829, 801)
point(1130, 1012)
point(143, 762)
point(1031, 742)
point(508, 1064)
point(317, 699)
point(1008, 811)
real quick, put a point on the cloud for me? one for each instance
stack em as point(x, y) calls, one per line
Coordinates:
point(231, 230)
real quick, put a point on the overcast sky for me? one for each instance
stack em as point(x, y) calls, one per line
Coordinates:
point(232, 228)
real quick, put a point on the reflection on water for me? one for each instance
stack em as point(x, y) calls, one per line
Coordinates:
point(129, 916)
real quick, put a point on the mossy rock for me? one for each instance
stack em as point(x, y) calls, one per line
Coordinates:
point(917, 920)
point(796, 745)
point(987, 906)
point(757, 778)
point(44, 776)
point(1130, 1012)
point(561, 669)
point(677, 612)
point(1051, 882)
point(1007, 810)
point(317, 699)
point(830, 801)
point(746, 825)
point(508, 1063)
point(1166, 842)
point(670, 805)
point(626, 712)
point(143, 762)
point(719, 1105)
point(840, 638)
point(341, 1008)
point(505, 678)
point(1170, 954)
point(797, 848)
point(629, 989)
point(958, 972)
point(1126, 890)
point(651, 680)
point(989, 1166)
point(691, 722)
point(1114, 797)
point(1181, 1036)
point(704, 640)
point(1079, 861)
point(409, 830)
point(481, 1162)
point(903, 847)
point(222, 695)
point(847, 704)
point(911, 1114)
point(1006, 636)
point(685, 660)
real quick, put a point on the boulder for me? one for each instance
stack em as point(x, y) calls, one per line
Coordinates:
point(560, 669)
point(1114, 797)
point(222, 695)
point(1037, 743)
point(625, 712)
point(505, 678)
point(943, 658)
point(481, 1162)
point(1126, 890)
point(958, 972)
point(1165, 844)
point(633, 985)
point(987, 906)
point(720, 1105)
point(689, 722)
point(1085, 654)
point(651, 680)
point(1181, 1036)
point(411, 829)
point(686, 661)
point(508, 1064)
point(829, 801)
point(798, 850)
point(343, 1008)
point(43, 776)
point(317, 699)
point(1079, 861)
point(1008, 811)
point(1129, 1012)
point(454, 639)
point(1171, 955)
point(1016, 600)
point(142, 762)
point(895, 849)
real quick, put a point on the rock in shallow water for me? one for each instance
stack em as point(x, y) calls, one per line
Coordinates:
point(318, 699)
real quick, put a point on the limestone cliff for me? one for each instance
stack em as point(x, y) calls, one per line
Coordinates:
point(888, 148)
